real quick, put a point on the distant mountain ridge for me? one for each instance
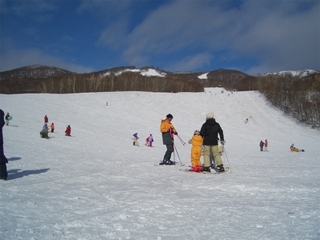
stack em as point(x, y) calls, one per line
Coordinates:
point(33, 71)
point(299, 74)
point(42, 71)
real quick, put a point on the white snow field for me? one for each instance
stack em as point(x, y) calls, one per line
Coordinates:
point(97, 185)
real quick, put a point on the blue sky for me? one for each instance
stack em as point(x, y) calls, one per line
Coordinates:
point(252, 36)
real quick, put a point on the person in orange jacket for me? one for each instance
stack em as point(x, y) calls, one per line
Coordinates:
point(52, 127)
point(68, 131)
point(167, 130)
point(196, 151)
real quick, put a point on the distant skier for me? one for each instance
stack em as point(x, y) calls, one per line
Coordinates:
point(46, 120)
point(44, 131)
point(3, 159)
point(168, 131)
point(261, 145)
point(68, 131)
point(149, 140)
point(52, 127)
point(8, 118)
point(266, 145)
point(135, 139)
point(196, 151)
point(294, 149)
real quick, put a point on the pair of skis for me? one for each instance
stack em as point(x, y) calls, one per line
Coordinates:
point(205, 172)
point(213, 171)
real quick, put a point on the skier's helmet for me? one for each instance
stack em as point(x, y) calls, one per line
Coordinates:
point(169, 116)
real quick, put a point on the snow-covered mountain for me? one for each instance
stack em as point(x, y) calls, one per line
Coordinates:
point(33, 72)
point(297, 73)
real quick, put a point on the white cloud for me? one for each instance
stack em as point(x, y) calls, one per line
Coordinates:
point(277, 33)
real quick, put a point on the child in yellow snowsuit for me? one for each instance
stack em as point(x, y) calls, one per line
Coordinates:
point(196, 151)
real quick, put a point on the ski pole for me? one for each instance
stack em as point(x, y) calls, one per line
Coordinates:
point(174, 154)
point(227, 157)
point(178, 154)
point(183, 142)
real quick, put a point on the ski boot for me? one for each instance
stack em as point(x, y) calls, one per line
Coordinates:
point(220, 168)
point(166, 162)
point(206, 169)
point(193, 169)
point(198, 168)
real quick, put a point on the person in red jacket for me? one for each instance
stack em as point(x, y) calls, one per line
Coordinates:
point(68, 131)
point(46, 120)
point(266, 145)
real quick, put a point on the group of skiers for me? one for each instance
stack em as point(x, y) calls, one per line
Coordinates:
point(207, 138)
point(149, 140)
point(264, 145)
point(45, 129)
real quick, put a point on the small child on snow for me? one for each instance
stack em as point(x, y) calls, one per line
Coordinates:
point(196, 151)
point(135, 140)
point(149, 141)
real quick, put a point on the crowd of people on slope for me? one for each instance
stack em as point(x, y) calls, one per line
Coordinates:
point(205, 142)
point(4, 120)
point(46, 129)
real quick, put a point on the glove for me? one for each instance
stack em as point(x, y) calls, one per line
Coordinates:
point(175, 133)
point(222, 142)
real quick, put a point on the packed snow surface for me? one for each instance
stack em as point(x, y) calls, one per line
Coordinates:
point(97, 185)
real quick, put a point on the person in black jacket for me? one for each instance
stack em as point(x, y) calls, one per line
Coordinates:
point(261, 145)
point(3, 159)
point(209, 131)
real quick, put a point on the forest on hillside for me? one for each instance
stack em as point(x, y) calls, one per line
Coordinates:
point(298, 97)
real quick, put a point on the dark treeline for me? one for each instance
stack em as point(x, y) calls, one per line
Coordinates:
point(97, 82)
point(298, 97)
